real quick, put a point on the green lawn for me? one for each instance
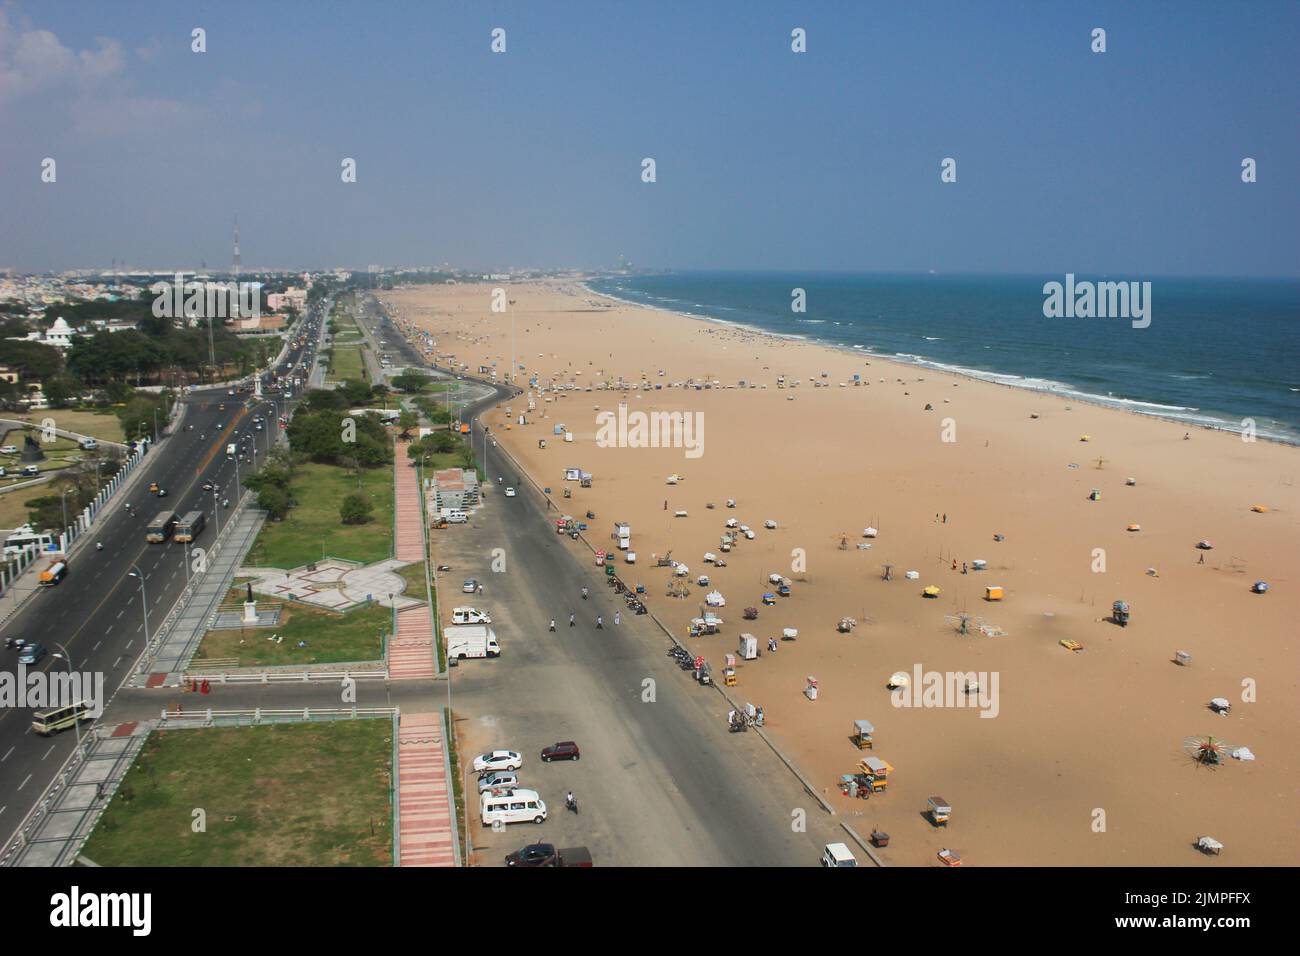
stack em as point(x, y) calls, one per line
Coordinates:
point(346, 362)
point(285, 795)
point(331, 638)
point(416, 580)
point(313, 528)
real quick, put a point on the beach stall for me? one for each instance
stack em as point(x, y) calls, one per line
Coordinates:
point(1119, 612)
point(715, 599)
point(732, 522)
point(869, 532)
point(810, 688)
point(898, 679)
point(994, 592)
point(1209, 846)
point(789, 633)
point(862, 731)
point(769, 524)
point(912, 575)
point(979, 564)
point(748, 649)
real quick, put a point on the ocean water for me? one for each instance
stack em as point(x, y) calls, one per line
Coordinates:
point(1217, 351)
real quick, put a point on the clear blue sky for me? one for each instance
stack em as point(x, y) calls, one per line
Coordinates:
point(1126, 162)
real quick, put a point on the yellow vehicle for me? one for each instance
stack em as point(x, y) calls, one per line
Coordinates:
point(153, 487)
point(49, 722)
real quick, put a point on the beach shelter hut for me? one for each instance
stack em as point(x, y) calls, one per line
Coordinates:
point(862, 731)
point(715, 599)
point(979, 564)
point(898, 679)
point(1134, 527)
point(993, 592)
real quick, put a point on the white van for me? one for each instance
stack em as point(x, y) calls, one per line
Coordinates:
point(452, 516)
point(511, 806)
point(469, 615)
point(88, 444)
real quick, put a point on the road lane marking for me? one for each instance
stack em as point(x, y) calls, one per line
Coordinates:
point(6, 756)
point(48, 752)
point(24, 783)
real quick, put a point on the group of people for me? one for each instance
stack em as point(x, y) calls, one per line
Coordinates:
point(600, 620)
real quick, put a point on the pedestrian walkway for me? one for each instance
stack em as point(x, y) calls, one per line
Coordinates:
point(409, 519)
point(176, 640)
point(410, 653)
point(424, 793)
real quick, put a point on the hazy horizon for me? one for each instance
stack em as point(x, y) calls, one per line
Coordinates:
point(1122, 163)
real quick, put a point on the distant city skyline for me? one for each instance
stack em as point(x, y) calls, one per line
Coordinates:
point(1127, 162)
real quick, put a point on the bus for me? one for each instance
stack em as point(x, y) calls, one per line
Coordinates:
point(25, 539)
point(160, 528)
point(47, 722)
point(190, 527)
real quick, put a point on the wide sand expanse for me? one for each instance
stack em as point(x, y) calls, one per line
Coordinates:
point(1084, 762)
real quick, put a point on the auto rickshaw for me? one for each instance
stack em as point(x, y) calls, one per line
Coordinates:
point(938, 810)
point(1120, 613)
point(769, 598)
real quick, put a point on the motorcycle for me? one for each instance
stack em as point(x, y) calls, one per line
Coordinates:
point(571, 803)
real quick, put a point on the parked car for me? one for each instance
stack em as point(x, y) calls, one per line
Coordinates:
point(564, 750)
point(498, 779)
point(498, 760)
point(30, 471)
point(31, 653)
point(837, 855)
point(510, 492)
point(470, 586)
point(535, 854)
point(8, 449)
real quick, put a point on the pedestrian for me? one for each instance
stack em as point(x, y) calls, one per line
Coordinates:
point(618, 615)
point(600, 623)
point(731, 716)
point(1202, 560)
point(480, 589)
point(945, 517)
point(571, 619)
point(954, 564)
point(963, 567)
point(552, 624)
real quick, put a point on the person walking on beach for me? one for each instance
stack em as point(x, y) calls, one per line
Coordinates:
point(600, 623)
point(618, 615)
point(552, 625)
point(954, 564)
point(945, 517)
point(963, 567)
point(571, 620)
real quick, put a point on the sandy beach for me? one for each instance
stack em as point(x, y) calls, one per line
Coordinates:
point(1084, 762)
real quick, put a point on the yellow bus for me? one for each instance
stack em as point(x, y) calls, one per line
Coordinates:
point(47, 722)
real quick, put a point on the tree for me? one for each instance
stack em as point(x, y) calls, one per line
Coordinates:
point(411, 381)
point(274, 501)
point(356, 509)
point(408, 420)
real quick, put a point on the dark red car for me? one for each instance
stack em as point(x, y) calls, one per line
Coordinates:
point(564, 750)
point(535, 854)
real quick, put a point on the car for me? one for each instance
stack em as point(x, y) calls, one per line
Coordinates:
point(498, 779)
point(470, 586)
point(153, 487)
point(535, 854)
point(31, 653)
point(221, 407)
point(498, 760)
point(564, 750)
point(14, 643)
point(8, 449)
point(162, 492)
point(510, 492)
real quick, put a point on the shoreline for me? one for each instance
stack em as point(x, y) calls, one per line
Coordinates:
point(1059, 389)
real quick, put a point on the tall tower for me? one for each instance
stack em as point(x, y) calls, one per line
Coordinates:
point(235, 266)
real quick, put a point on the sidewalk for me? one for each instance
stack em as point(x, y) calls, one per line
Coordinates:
point(170, 654)
point(411, 653)
point(424, 793)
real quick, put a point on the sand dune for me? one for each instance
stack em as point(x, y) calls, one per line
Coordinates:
point(1076, 733)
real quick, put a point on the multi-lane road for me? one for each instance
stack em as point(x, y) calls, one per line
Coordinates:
point(98, 612)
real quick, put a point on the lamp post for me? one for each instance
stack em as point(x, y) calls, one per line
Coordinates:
point(144, 599)
point(63, 655)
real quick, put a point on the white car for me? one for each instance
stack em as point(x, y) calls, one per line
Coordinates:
point(510, 492)
point(470, 586)
point(8, 449)
point(498, 760)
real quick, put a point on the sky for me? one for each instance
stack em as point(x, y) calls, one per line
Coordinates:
point(1126, 162)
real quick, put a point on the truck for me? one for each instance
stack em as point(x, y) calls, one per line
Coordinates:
point(54, 573)
point(231, 450)
point(474, 640)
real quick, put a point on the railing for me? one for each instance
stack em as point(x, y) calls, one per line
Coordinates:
point(265, 715)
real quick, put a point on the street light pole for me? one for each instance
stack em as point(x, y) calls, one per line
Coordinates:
point(216, 509)
point(144, 600)
point(67, 659)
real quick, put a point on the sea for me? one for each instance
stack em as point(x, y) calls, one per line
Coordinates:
point(1216, 352)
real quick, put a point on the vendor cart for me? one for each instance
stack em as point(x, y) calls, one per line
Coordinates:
point(862, 731)
point(938, 810)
